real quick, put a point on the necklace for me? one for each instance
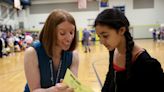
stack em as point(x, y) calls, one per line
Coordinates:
point(58, 72)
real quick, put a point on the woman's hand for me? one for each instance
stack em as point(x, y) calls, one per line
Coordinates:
point(61, 87)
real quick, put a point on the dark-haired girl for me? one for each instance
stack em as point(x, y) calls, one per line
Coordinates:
point(131, 68)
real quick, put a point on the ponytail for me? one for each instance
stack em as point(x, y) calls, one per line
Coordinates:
point(129, 48)
point(110, 75)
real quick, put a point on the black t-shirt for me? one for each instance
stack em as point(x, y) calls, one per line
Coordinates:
point(146, 76)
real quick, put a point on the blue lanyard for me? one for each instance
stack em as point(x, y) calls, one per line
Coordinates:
point(58, 72)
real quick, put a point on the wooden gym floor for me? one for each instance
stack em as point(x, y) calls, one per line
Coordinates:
point(92, 69)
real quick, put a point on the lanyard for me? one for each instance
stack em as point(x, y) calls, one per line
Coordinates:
point(58, 72)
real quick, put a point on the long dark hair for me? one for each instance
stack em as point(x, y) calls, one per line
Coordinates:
point(116, 19)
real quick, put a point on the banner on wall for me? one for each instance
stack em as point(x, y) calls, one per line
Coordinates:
point(17, 4)
point(104, 3)
point(121, 8)
point(82, 4)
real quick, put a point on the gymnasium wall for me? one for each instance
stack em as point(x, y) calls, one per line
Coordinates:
point(8, 15)
point(141, 18)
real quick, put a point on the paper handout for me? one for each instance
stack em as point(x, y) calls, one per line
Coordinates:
point(73, 82)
